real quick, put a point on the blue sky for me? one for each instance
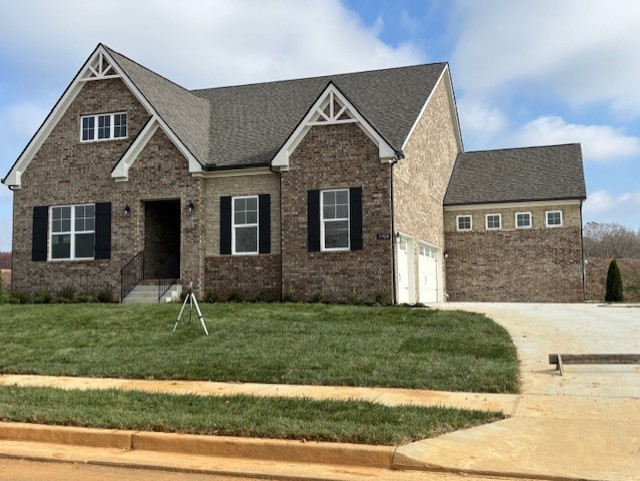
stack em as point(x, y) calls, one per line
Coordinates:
point(531, 72)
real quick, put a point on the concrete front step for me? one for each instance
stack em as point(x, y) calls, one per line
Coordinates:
point(148, 294)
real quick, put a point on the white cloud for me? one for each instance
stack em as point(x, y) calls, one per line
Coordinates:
point(603, 206)
point(205, 44)
point(480, 120)
point(582, 51)
point(599, 142)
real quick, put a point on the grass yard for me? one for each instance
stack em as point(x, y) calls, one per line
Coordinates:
point(271, 343)
point(276, 418)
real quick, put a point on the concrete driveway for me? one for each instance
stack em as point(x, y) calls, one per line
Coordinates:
point(541, 329)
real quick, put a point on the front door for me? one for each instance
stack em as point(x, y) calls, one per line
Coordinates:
point(162, 239)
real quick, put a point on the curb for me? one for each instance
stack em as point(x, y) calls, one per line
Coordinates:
point(355, 455)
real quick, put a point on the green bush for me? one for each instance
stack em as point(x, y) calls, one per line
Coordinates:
point(42, 298)
point(18, 297)
point(86, 298)
point(235, 296)
point(67, 294)
point(105, 296)
point(614, 289)
point(211, 296)
point(262, 296)
point(287, 296)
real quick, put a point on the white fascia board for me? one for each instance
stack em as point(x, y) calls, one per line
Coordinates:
point(120, 172)
point(281, 159)
point(511, 205)
point(454, 110)
point(13, 178)
point(216, 174)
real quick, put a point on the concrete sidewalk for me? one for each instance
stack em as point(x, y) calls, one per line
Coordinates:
point(547, 437)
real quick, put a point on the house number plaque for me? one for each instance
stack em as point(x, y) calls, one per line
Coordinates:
point(383, 236)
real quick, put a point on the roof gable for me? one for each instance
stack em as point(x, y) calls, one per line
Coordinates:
point(250, 123)
point(101, 64)
point(551, 172)
point(331, 107)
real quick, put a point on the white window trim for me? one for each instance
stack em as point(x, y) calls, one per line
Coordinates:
point(233, 226)
point(486, 222)
point(546, 219)
point(458, 223)
point(515, 218)
point(322, 221)
point(72, 233)
point(95, 127)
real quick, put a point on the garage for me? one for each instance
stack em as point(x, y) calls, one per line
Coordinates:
point(427, 274)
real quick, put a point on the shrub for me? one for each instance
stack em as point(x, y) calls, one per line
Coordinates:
point(67, 294)
point(86, 297)
point(106, 296)
point(316, 298)
point(262, 296)
point(42, 298)
point(235, 296)
point(19, 298)
point(614, 290)
point(211, 296)
point(352, 298)
point(287, 296)
point(381, 298)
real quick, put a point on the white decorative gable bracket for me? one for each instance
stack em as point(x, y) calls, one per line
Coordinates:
point(331, 108)
point(99, 68)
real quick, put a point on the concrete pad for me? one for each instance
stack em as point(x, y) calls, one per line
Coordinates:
point(538, 330)
point(584, 409)
point(602, 450)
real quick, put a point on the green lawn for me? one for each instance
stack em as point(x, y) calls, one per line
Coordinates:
point(271, 343)
point(277, 418)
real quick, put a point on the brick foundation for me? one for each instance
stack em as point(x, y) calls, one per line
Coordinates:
point(252, 277)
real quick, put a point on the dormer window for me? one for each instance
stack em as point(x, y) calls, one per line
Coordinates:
point(103, 127)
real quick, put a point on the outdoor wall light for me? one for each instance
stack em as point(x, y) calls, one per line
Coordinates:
point(127, 210)
point(190, 207)
point(446, 254)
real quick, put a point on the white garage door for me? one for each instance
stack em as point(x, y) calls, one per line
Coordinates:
point(403, 272)
point(428, 274)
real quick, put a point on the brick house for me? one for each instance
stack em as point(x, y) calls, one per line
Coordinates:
point(344, 187)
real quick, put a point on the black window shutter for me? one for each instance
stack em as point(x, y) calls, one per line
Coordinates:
point(313, 220)
point(264, 228)
point(39, 234)
point(355, 217)
point(225, 225)
point(103, 230)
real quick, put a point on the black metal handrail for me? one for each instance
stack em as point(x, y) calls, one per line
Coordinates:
point(131, 274)
point(168, 274)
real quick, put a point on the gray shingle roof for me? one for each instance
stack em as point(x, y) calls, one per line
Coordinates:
point(185, 113)
point(249, 123)
point(551, 172)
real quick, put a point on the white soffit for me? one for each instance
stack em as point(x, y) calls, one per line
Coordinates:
point(331, 108)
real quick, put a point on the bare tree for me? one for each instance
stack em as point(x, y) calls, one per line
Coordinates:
point(611, 241)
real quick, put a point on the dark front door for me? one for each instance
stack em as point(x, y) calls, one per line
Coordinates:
point(162, 239)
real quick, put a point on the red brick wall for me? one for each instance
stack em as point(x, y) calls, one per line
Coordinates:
point(532, 265)
point(66, 171)
point(329, 157)
point(251, 276)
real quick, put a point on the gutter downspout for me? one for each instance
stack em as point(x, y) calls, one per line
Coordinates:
point(393, 235)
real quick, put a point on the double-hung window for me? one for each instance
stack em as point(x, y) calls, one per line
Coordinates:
point(523, 220)
point(72, 232)
point(493, 221)
point(245, 225)
point(103, 126)
point(334, 220)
